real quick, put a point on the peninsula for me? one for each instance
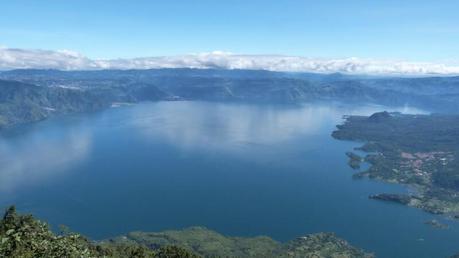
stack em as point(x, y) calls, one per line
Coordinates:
point(420, 151)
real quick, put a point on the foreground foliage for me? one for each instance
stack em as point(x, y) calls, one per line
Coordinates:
point(24, 236)
point(208, 243)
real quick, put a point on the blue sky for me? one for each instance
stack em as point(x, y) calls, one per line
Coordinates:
point(409, 30)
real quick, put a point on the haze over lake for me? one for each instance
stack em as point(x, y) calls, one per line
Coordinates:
point(239, 169)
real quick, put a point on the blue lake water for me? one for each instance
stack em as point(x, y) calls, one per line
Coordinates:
point(239, 169)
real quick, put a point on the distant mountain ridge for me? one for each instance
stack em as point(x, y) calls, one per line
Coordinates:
point(30, 95)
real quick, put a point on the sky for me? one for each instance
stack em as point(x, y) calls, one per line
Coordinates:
point(414, 31)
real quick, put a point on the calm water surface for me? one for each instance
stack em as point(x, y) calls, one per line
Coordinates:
point(239, 169)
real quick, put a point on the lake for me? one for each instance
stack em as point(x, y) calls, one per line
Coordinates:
point(239, 169)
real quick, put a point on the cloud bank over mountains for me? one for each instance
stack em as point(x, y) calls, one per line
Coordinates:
point(13, 58)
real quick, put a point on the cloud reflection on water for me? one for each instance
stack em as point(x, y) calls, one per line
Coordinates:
point(194, 124)
point(44, 152)
point(37, 156)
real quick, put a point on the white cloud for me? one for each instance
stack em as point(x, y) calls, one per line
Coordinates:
point(12, 58)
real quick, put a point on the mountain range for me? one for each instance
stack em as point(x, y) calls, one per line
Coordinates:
point(31, 95)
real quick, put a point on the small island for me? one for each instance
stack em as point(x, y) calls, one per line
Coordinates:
point(420, 151)
point(436, 224)
point(354, 160)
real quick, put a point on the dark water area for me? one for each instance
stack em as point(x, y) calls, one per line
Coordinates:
point(239, 169)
